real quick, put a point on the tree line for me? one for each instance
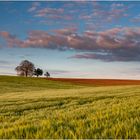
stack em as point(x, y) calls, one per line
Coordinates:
point(27, 69)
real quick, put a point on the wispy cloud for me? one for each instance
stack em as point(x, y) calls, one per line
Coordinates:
point(4, 62)
point(34, 6)
point(49, 11)
point(58, 72)
point(85, 11)
point(136, 19)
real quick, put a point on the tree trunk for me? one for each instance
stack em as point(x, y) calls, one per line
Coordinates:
point(26, 73)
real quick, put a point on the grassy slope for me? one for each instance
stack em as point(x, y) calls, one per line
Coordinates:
point(21, 84)
point(33, 108)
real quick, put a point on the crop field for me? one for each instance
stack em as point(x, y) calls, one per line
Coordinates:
point(40, 108)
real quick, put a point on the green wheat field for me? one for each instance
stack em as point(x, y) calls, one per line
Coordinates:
point(41, 108)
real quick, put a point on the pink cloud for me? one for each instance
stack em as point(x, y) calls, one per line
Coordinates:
point(115, 12)
point(111, 38)
point(4, 34)
point(66, 31)
point(120, 44)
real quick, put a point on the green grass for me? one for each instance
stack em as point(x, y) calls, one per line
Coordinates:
point(39, 108)
point(20, 84)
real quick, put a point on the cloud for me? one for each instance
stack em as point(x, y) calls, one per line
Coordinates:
point(66, 31)
point(136, 19)
point(10, 39)
point(116, 44)
point(49, 11)
point(4, 65)
point(34, 6)
point(113, 13)
point(5, 34)
point(4, 62)
point(58, 72)
point(92, 14)
point(53, 14)
point(112, 55)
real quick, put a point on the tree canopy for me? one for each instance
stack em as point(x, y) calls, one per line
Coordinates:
point(47, 74)
point(25, 68)
point(38, 72)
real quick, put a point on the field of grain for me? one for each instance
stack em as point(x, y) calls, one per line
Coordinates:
point(40, 108)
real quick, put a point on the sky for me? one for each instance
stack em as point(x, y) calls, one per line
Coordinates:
point(73, 39)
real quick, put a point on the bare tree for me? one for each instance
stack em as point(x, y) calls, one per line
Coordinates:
point(25, 68)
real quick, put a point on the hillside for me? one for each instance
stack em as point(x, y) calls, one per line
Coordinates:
point(40, 108)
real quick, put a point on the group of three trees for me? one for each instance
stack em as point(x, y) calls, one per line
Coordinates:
point(27, 68)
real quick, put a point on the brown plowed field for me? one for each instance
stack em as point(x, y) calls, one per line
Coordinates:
point(97, 82)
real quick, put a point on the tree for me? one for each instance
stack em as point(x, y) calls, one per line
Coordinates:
point(47, 74)
point(25, 68)
point(38, 72)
